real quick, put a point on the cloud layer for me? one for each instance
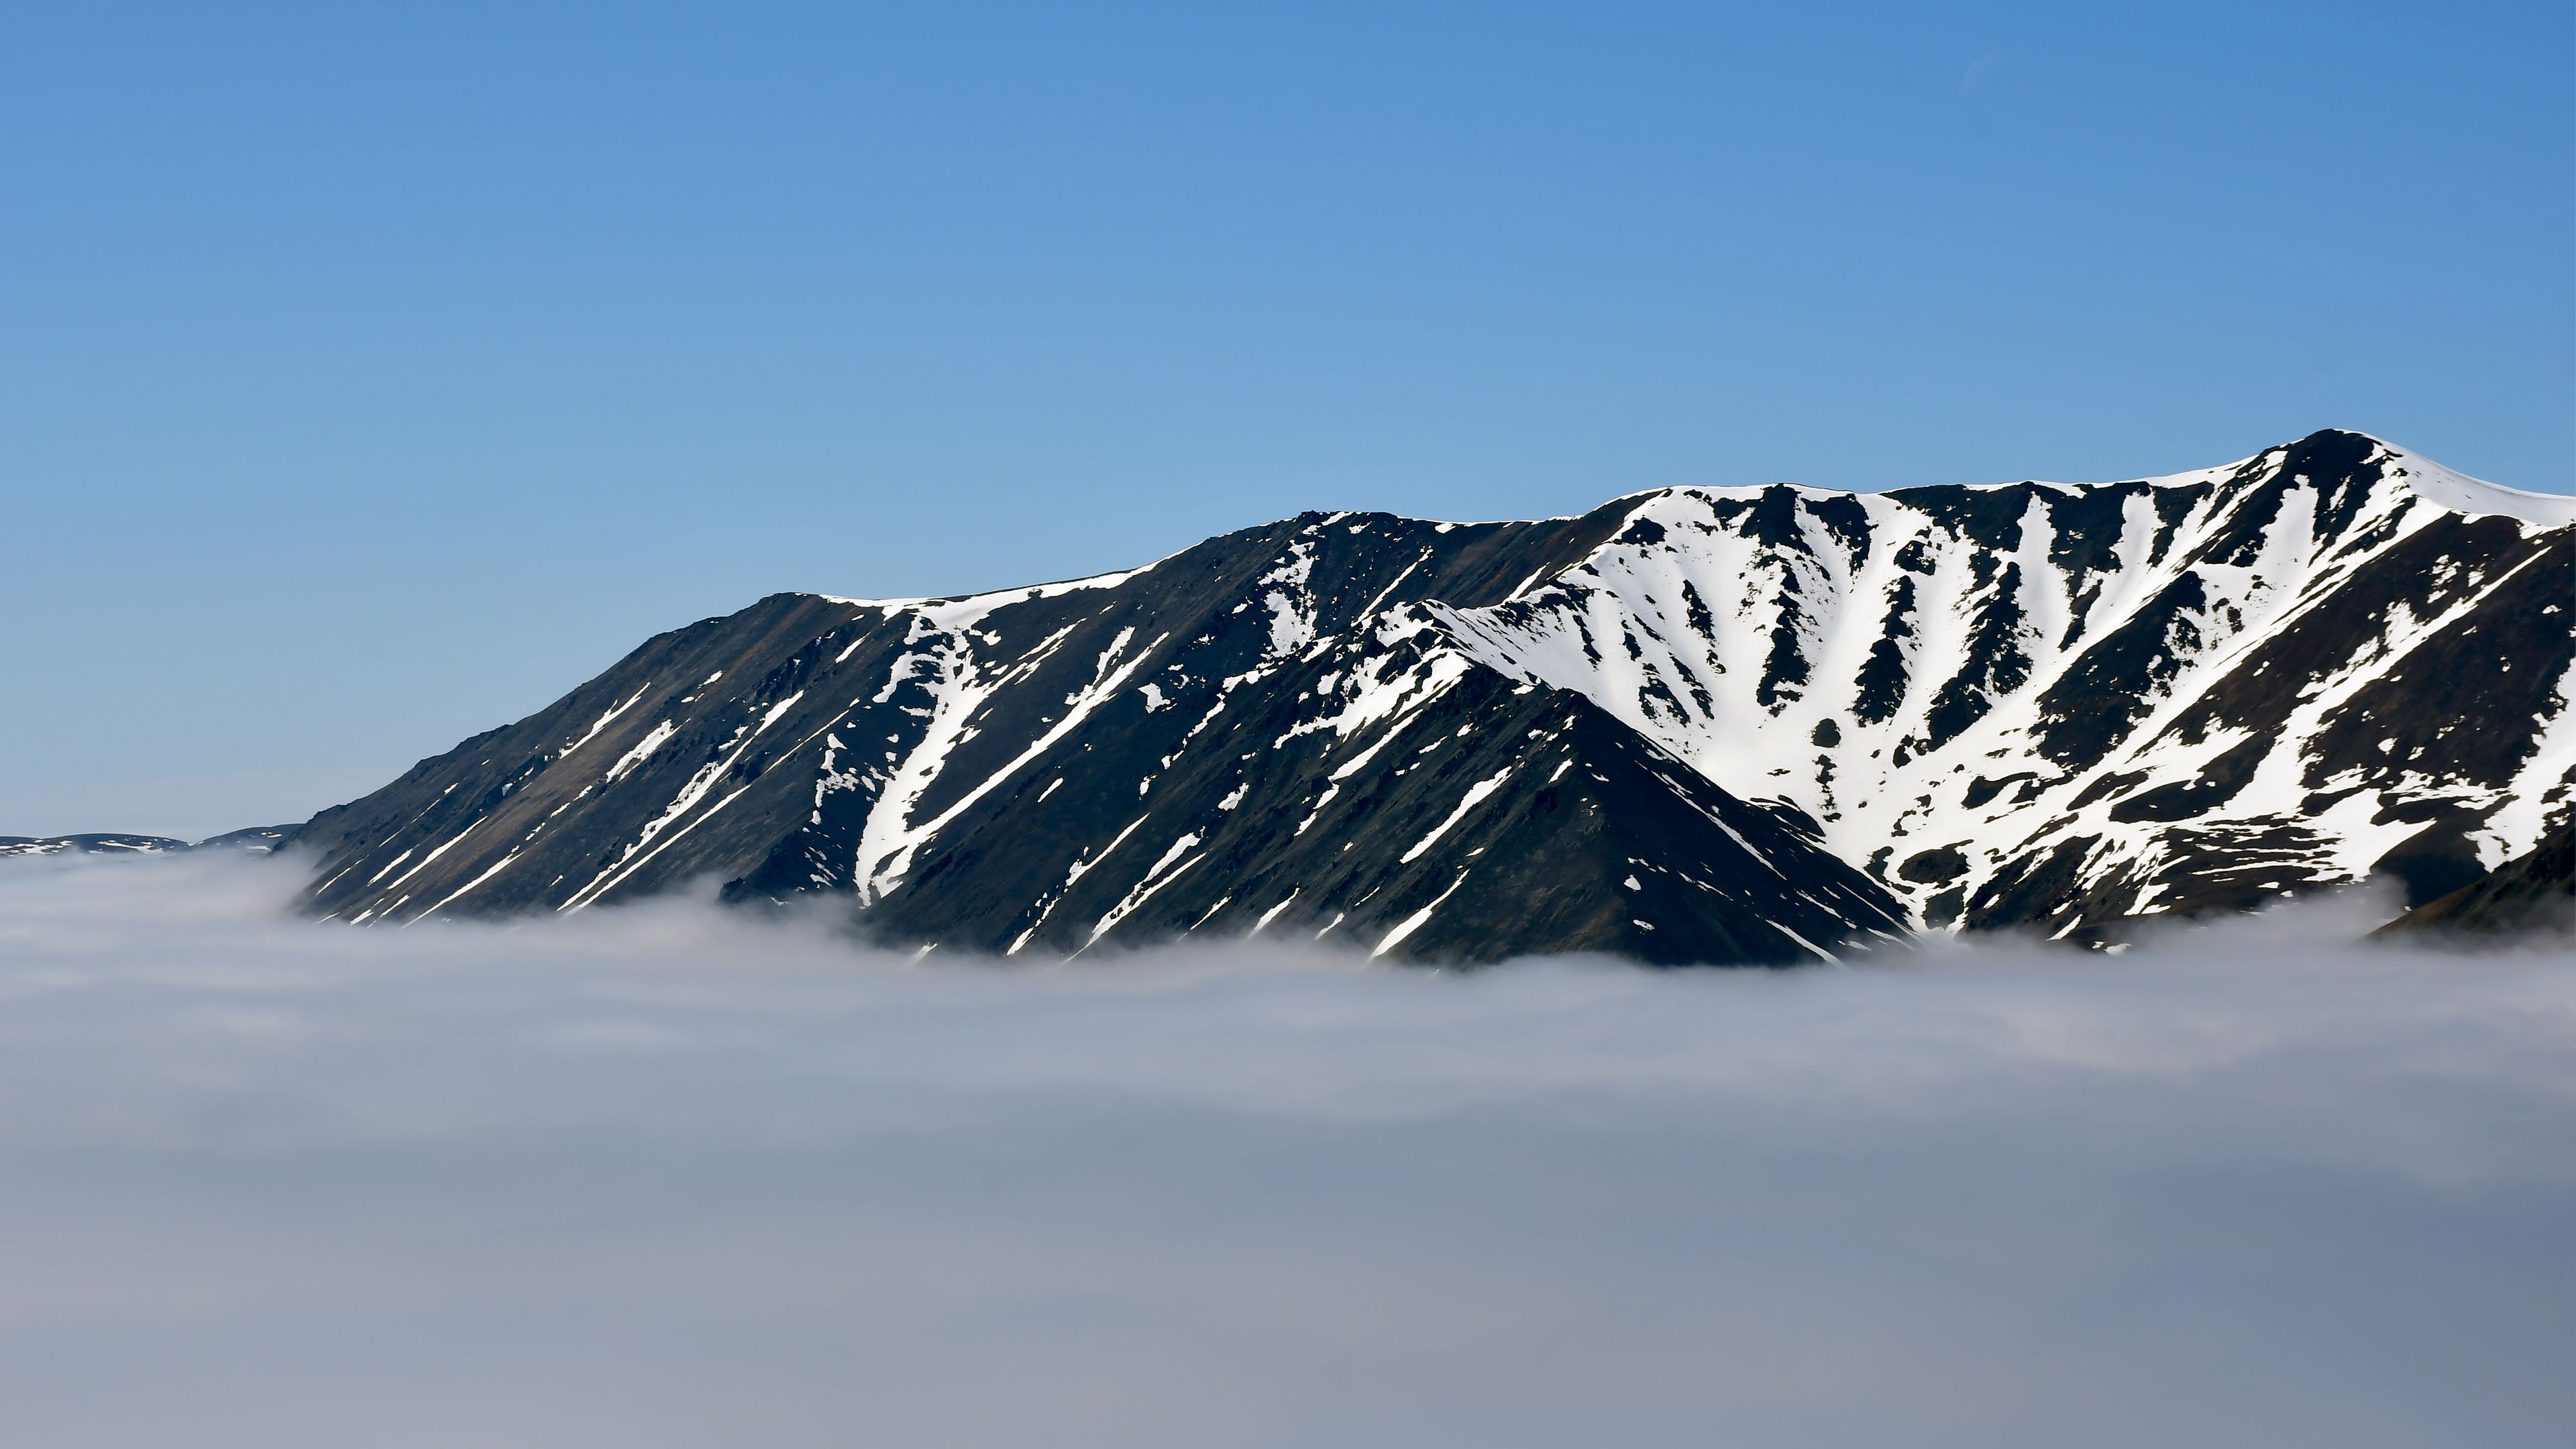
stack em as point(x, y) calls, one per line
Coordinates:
point(672, 1175)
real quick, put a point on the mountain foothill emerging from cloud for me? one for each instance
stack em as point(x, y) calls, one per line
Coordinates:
point(1693, 726)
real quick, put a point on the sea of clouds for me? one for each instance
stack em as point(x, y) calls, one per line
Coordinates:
point(669, 1174)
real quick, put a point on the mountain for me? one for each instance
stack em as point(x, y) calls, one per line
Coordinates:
point(258, 840)
point(1694, 725)
point(2531, 894)
point(106, 843)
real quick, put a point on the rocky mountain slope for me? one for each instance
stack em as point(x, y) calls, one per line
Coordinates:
point(2530, 896)
point(1694, 725)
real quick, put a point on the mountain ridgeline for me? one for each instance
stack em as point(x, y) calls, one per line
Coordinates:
point(1739, 725)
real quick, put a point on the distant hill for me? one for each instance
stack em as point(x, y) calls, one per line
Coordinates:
point(258, 840)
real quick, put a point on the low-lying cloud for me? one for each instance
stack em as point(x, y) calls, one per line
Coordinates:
point(675, 1175)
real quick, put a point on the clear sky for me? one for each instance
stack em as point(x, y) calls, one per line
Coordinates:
point(367, 381)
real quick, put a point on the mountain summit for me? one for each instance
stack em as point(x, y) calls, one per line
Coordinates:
point(1720, 725)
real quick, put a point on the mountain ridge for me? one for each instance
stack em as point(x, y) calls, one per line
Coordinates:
point(255, 840)
point(2173, 693)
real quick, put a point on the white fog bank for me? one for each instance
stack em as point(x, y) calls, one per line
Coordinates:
point(668, 1175)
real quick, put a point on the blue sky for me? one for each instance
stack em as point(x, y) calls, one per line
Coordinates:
point(367, 381)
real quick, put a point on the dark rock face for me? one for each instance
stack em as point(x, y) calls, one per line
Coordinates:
point(2530, 896)
point(1670, 729)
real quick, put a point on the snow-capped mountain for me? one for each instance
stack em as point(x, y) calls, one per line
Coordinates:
point(1721, 725)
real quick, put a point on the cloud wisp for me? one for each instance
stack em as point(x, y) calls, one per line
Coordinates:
point(674, 1175)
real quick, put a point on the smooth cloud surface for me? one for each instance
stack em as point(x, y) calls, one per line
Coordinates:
point(671, 1175)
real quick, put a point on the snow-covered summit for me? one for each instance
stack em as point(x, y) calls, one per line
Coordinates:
point(2461, 493)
